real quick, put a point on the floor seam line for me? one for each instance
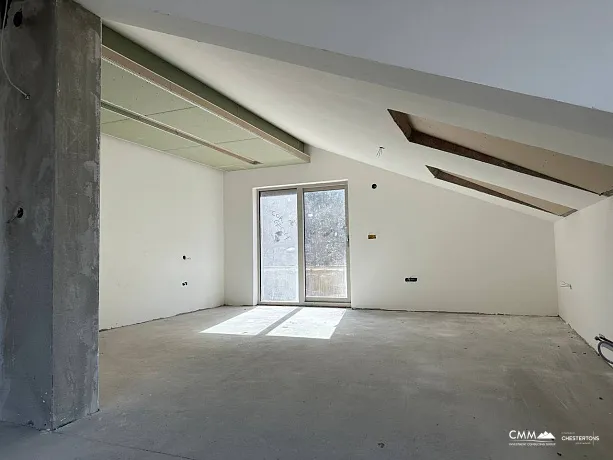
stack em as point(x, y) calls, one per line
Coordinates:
point(122, 446)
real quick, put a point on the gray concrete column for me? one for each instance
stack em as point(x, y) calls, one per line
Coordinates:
point(49, 216)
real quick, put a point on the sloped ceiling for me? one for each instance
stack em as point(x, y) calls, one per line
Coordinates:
point(350, 117)
point(559, 50)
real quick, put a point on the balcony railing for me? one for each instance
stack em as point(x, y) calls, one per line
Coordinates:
point(280, 284)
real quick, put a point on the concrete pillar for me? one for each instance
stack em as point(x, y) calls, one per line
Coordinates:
point(49, 216)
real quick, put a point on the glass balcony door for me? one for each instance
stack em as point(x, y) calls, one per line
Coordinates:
point(304, 245)
point(325, 244)
point(279, 266)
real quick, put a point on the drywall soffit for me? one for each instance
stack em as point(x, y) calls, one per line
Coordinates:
point(148, 101)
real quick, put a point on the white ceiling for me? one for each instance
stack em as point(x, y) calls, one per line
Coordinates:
point(349, 117)
point(559, 50)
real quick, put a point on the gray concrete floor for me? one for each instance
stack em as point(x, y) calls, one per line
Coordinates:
point(387, 385)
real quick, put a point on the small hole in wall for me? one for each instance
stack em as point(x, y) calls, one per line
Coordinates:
point(184, 283)
point(18, 19)
point(17, 214)
point(184, 257)
point(374, 186)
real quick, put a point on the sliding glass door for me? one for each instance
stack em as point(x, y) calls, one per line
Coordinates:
point(279, 246)
point(303, 245)
point(325, 244)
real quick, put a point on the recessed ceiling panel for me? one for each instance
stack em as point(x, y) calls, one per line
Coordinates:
point(148, 101)
point(130, 92)
point(204, 125)
point(140, 133)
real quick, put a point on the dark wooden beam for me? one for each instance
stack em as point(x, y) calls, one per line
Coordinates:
point(403, 121)
point(417, 137)
point(566, 214)
point(447, 177)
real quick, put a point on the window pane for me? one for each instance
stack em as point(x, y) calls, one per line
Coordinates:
point(325, 243)
point(278, 246)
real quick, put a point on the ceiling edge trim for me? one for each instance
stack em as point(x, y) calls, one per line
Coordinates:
point(216, 168)
point(137, 60)
point(171, 130)
point(414, 136)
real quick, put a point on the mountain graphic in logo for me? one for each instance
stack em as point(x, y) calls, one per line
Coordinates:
point(545, 436)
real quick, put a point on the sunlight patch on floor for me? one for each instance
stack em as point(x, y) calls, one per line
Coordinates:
point(252, 322)
point(310, 323)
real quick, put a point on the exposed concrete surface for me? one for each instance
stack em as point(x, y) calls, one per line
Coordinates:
point(387, 385)
point(76, 213)
point(49, 152)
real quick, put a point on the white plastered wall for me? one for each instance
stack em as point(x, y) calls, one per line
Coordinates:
point(155, 209)
point(468, 255)
point(584, 249)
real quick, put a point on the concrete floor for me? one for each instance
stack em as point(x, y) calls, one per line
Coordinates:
point(387, 385)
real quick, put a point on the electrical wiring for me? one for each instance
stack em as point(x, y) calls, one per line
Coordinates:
point(4, 23)
point(603, 342)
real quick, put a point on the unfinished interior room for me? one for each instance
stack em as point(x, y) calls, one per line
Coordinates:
point(289, 230)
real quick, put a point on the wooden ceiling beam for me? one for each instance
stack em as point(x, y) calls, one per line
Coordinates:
point(448, 177)
point(403, 121)
point(445, 176)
